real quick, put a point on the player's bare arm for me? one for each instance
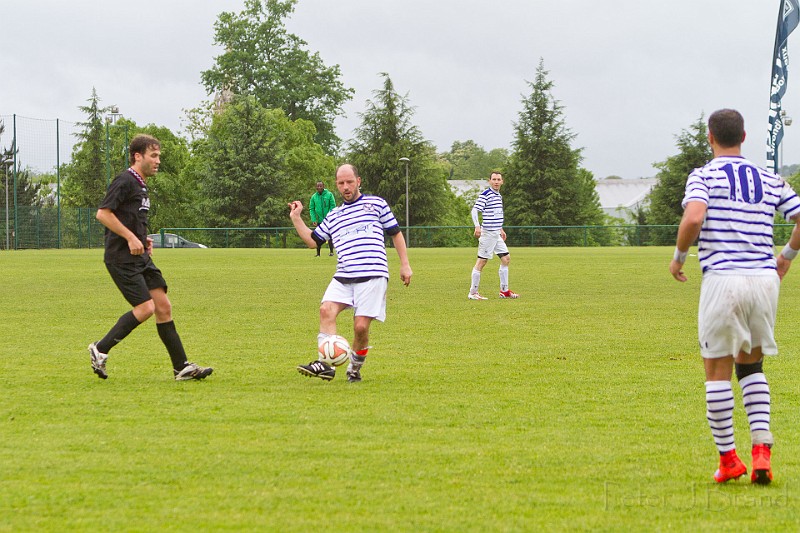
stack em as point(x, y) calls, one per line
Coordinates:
point(790, 250)
point(688, 231)
point(108, 219)
point(296, 208)
point(402, 252)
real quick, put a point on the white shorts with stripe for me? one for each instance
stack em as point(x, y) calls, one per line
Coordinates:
point(367, 298)
point(737, 313)
point(491, 243)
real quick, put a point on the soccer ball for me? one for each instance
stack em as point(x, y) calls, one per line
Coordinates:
point(334, 350)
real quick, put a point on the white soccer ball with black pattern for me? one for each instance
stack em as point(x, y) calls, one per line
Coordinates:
point(334, 350)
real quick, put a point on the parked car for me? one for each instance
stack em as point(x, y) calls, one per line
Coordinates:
point(173, 241)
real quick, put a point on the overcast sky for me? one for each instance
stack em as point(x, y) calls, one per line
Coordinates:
point(630, 74)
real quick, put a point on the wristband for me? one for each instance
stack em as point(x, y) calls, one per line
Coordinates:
point(679, 256)
point(788, 252)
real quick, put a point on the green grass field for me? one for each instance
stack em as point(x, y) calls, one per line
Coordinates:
point(579, 406)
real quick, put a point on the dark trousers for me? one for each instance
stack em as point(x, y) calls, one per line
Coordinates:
point(330, 245)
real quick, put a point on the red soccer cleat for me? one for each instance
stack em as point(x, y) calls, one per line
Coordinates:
point(730, 467)
point(762, 469)
point(508, 294)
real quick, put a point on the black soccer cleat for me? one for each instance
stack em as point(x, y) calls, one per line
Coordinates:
point(317, 369)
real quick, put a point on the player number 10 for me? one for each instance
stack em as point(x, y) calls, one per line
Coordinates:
point(749, 179)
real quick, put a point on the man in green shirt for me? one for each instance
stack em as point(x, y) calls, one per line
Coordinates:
point(320, 205)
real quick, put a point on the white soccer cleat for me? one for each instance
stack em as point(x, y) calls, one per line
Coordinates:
point(476, 296)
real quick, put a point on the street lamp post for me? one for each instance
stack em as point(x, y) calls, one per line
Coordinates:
point(408, 225)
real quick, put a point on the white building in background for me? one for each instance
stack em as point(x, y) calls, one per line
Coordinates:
point(462, 187)
point(621, 197)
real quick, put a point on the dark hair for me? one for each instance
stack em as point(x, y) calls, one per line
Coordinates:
point(727, 127)
point(140, 144)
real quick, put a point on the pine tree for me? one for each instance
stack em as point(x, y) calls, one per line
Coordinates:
point(544, 184)
point(387, 134)
point(85, 178)
point(666, 197)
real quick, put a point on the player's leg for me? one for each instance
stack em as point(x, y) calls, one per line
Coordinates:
point(750, 373)
point(505, 260)
point(319, 247)
point(131, 283)
point(182, 369)
point(721, 334)
point(330, 247)
point(476, 277)
point(338, 297)
point(369, 305)
point(719, 412)
point(360, 347)
point(756, 399)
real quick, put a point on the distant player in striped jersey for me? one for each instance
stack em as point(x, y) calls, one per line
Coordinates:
point(491, 237)
point(730, 204)
point(357, 228)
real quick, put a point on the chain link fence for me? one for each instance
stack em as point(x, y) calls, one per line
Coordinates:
point(33, 153)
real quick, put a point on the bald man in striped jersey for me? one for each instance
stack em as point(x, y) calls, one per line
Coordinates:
point(357, 229)
point(730, 205)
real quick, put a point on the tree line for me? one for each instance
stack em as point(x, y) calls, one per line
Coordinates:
point(268, 136)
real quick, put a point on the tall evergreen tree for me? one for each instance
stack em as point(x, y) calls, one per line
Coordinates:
point(264, 60)
point(387, 134)
point(666, 197)
point(545, 185)
point(85, 178)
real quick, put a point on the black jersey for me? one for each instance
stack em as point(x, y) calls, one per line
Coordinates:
point(127, 198)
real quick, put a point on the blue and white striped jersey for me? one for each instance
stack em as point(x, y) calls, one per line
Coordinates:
point(490, 203)
point(357, 230)
point(742, 199)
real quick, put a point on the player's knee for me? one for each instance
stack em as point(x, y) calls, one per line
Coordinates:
point(744, 370)
point(361, 328)
point(327, 311)
point(144, 310)
point(163, 310)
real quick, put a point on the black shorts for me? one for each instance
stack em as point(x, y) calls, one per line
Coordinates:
point(136, 280)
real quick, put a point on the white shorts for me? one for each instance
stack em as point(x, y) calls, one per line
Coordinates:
point(737, 314)
point(367, 298)
point(491, 243)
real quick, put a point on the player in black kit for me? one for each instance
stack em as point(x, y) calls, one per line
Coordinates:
point(127, 256)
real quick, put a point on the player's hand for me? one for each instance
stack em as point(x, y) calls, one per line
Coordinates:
point(135, 246)
point(783, 266)
point(296, 208)
point(405, 275)
point(675, 268)
point(149, 248)
point(478, 231)
point(502, 234)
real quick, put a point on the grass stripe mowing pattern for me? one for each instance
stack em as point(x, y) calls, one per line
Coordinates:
point(579, 406)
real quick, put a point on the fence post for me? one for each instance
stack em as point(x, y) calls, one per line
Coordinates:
point(58, 187)
point(14, 148)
